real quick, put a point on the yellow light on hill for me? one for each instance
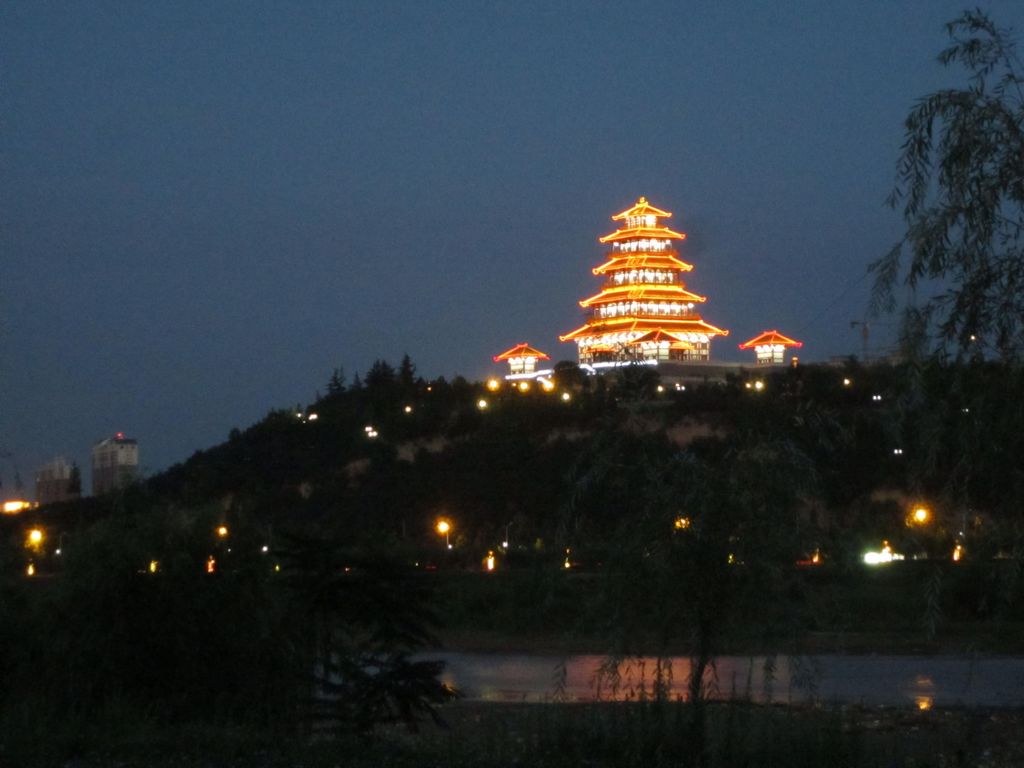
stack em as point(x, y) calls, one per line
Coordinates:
point(481, 404)
point(14, 506)
point(919, 515)
point(566, 397)
point(222, 531)
point(30, 570)
point(443, 526)
point(493, 385)
point(523, 386)
point(34, 539)
point(682, 523)
point(154, 566)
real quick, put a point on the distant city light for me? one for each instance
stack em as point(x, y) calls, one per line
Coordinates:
point(408, 409)
point(312, 417)
point(15, 506)
point(882, 556)
point(897, 451)
point(877, 398)
point(566, 397)
point(493, 385)
point(847, 382)
point(222, 531)
point(481, 404)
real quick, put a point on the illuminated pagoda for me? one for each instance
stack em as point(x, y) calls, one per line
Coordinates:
point(770, 347)
point(643, 312)
point(522, 360)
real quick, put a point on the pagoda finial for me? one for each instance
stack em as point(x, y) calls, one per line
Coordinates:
point(642, 200)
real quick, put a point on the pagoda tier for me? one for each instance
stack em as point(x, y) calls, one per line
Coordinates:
point(644, 309)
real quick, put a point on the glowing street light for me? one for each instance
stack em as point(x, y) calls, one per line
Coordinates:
point(919, 515)
point(489, 561)
point(493, 385)
point(481, 404)
point(222, 531)
point(566, 397)
point(682, 523)
point(524, 386)
point(444, 528)
point(35, 537)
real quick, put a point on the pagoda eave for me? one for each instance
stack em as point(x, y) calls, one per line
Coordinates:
point(640, 233)
point(642, 293)
point(642, 208)
point(631, 324)
point(642, 261)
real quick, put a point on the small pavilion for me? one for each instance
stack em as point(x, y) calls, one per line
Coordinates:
point(522, 360)
point(770, 347)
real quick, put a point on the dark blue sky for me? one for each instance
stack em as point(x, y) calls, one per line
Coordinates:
point(208, 206)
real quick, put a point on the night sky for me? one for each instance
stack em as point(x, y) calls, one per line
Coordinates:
point(206, 207)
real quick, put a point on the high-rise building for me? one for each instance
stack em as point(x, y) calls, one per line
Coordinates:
point(57, 480)
point(644, 311)
point(115, 463)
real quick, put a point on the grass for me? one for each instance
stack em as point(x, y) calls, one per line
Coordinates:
point(648, 734)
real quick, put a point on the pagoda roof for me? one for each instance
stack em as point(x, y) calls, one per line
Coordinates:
point(642, 261)
point(520, 350)
point(636, 233)
point(773, 338)
point(659, 292)
point(661, 335)
point(641, 208)
point(645, 324)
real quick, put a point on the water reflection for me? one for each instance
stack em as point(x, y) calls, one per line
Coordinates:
point(913, 681)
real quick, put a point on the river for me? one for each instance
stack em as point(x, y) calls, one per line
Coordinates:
point(922, 681)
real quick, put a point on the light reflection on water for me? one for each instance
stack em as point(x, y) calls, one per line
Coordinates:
point(916, 681)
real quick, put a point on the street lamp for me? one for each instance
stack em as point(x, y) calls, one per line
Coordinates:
point(444, 528)
point(919, 515)
point(222, 531)
point(35, 538)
